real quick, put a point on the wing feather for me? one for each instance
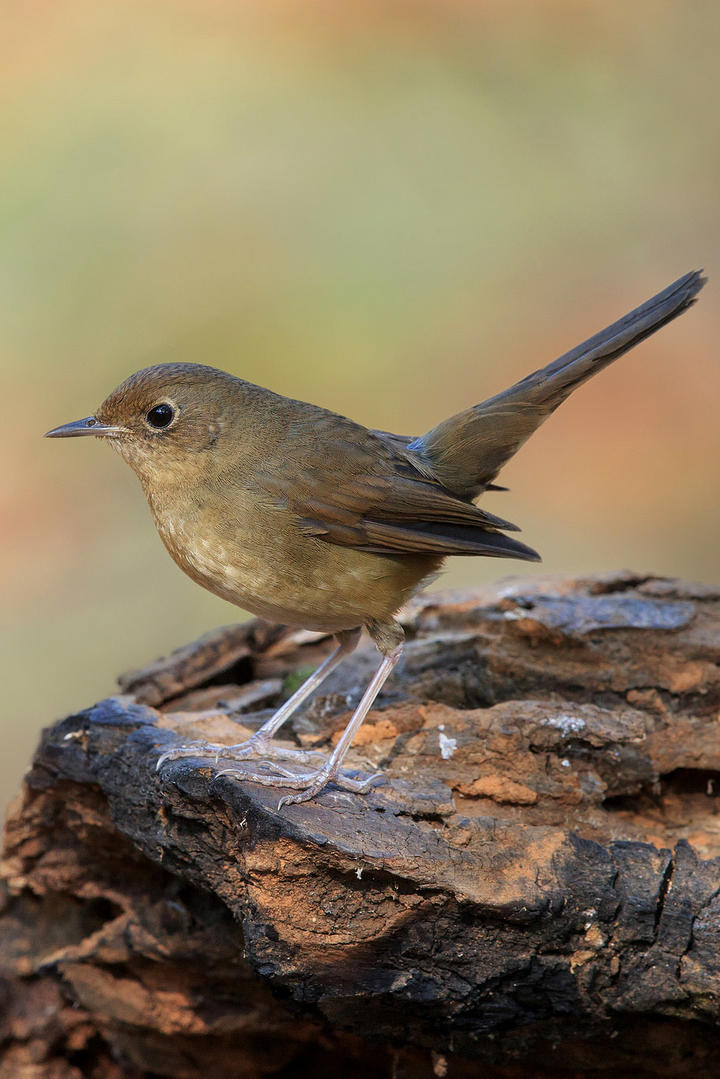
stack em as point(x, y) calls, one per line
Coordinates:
point(357, 488)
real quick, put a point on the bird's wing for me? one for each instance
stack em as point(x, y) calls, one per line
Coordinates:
point(356, 488)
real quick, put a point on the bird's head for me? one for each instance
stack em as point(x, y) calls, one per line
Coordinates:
point(166, 421)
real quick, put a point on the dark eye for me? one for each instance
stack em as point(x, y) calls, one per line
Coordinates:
point(161, 416)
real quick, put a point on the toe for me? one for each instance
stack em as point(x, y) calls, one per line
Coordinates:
point(301, 796)
point(179, 752)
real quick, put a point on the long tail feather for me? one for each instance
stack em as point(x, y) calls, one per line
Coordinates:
point(467, 451)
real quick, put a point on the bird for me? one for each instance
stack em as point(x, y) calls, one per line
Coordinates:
point(302, 516)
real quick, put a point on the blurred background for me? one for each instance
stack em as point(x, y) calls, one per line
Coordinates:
point(390, 209)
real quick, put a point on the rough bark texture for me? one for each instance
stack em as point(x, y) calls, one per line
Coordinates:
point(535, 888)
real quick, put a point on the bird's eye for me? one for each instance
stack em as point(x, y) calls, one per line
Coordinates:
point(160, 416)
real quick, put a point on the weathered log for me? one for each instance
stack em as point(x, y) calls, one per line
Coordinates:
point(534, 889)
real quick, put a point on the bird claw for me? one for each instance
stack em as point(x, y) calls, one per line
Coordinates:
point(358, 786)
point(306, 784)
point(257, 746)
point(200, 749)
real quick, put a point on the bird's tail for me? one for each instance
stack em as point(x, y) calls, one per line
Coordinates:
point(467, 451)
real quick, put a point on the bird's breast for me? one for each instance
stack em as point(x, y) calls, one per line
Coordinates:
point(255, 556)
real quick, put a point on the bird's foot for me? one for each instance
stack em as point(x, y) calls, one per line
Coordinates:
point(259, 746)
point(307, 784)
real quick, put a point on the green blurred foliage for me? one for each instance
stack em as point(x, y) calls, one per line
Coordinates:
point(393, 210)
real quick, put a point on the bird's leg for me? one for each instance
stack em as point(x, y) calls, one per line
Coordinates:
point(389, 639)
point(259, 744)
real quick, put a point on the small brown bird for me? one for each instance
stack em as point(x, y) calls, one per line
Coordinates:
point(304, 517)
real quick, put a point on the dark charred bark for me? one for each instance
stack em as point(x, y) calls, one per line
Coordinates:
point(535, 888)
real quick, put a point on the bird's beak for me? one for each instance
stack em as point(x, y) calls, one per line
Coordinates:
point(88, 426)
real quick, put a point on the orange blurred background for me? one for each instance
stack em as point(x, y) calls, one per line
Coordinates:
point(391, 209)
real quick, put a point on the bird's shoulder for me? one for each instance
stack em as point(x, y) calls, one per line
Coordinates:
point(317, 448)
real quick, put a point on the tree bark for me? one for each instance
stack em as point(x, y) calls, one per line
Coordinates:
point(534, 888)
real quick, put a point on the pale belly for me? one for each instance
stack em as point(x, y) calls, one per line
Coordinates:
point(275, 572)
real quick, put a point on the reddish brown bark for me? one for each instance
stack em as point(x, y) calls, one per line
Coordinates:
point(535, 886)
